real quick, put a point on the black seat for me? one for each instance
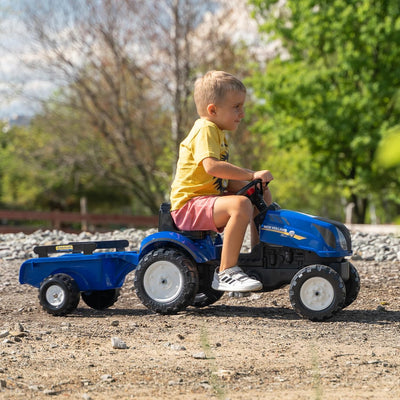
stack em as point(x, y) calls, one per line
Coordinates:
point(166, 223)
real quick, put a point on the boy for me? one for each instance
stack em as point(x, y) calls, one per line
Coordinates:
point(204, 178)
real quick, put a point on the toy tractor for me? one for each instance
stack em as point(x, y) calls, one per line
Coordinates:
point(174, 269)
point(301, 250)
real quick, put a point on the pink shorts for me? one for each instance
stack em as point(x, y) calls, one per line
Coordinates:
point(197, 215)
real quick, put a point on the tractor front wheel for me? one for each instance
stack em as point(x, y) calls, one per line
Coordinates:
point(317, 292)
point(352, 286)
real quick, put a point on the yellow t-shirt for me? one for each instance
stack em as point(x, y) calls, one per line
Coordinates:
point(191, 180)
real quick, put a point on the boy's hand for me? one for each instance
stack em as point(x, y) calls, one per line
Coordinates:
point(264, 175)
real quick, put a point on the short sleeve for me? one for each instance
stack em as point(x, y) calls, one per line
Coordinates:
point(207, 143)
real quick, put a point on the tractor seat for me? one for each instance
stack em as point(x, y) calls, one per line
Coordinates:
point(166, 223)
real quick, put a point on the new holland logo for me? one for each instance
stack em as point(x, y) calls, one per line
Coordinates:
point(282, 231)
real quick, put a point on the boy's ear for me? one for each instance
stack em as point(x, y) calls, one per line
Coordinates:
point(211, 109)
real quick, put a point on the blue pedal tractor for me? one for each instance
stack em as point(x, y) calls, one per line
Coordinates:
point(174, 269)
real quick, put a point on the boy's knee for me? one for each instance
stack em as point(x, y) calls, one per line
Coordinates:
point(245, 206)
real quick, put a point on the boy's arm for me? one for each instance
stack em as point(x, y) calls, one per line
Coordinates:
point(226, 170)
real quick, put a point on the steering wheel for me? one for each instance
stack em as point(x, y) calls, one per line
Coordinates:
point(257, 183)
point(256, 196)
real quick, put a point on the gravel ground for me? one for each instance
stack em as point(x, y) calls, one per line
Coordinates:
point(239, 348)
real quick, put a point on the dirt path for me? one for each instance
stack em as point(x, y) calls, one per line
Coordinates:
point(246, 348)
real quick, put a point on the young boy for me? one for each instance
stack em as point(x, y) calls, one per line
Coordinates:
point(200, 198)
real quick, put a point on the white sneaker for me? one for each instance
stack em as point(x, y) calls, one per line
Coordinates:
point(234, 280)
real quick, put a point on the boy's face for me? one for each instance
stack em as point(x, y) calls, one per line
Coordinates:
point(228, 113)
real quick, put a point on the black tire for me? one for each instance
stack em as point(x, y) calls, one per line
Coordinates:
point(101, 299)
point(206, 295)
point(166, 281)
point(352, 286)
point(317, 292)
point(59, 294)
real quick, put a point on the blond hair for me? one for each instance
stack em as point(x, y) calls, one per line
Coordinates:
point(212, 89)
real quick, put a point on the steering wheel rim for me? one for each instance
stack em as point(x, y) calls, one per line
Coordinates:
point(245, 188)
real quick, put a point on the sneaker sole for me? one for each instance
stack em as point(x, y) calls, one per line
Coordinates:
point(228, 288)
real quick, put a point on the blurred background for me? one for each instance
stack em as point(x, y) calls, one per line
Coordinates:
point(96, 95)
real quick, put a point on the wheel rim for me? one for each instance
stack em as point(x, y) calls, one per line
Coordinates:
point(55, 295)
point(317, 294)
point(163, 281)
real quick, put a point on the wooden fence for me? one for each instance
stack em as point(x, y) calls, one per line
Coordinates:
point(12, 221)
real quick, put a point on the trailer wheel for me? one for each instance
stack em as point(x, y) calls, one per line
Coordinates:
point(59, 294)
point(352, 286)
point(206, 295)
point(166, 281)
point(101, 299)
point(317, 292)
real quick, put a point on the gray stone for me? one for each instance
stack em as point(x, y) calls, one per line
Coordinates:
point(200, 356)
point(366, 246)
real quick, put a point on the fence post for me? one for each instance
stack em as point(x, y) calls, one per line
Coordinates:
point(83, 205)
point(349, 213)
point(57, 219)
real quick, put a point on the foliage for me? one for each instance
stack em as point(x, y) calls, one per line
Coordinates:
point(18, 163)
point(124, 73)
point(389, 150)
point(388, 162)
point(337, 91)
point(34, 175)
point(66, 154)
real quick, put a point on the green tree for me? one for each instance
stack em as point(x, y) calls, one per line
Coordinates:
point(21, 182)
point(337, 91)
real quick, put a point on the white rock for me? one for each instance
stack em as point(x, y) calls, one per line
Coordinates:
point(118, 343)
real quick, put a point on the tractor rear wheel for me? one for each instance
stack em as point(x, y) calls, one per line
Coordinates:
point(166, 281)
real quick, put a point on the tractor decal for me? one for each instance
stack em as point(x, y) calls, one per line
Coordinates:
point(282, 231)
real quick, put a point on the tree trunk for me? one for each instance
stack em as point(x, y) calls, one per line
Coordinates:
point(360, 208)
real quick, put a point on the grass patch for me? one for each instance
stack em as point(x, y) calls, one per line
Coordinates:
point(317, 383)
point(215, 381)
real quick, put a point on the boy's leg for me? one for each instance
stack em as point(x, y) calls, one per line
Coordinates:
point(235, 213)
point(267, 196)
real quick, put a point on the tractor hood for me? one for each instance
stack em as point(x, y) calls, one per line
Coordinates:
point(325, 237)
